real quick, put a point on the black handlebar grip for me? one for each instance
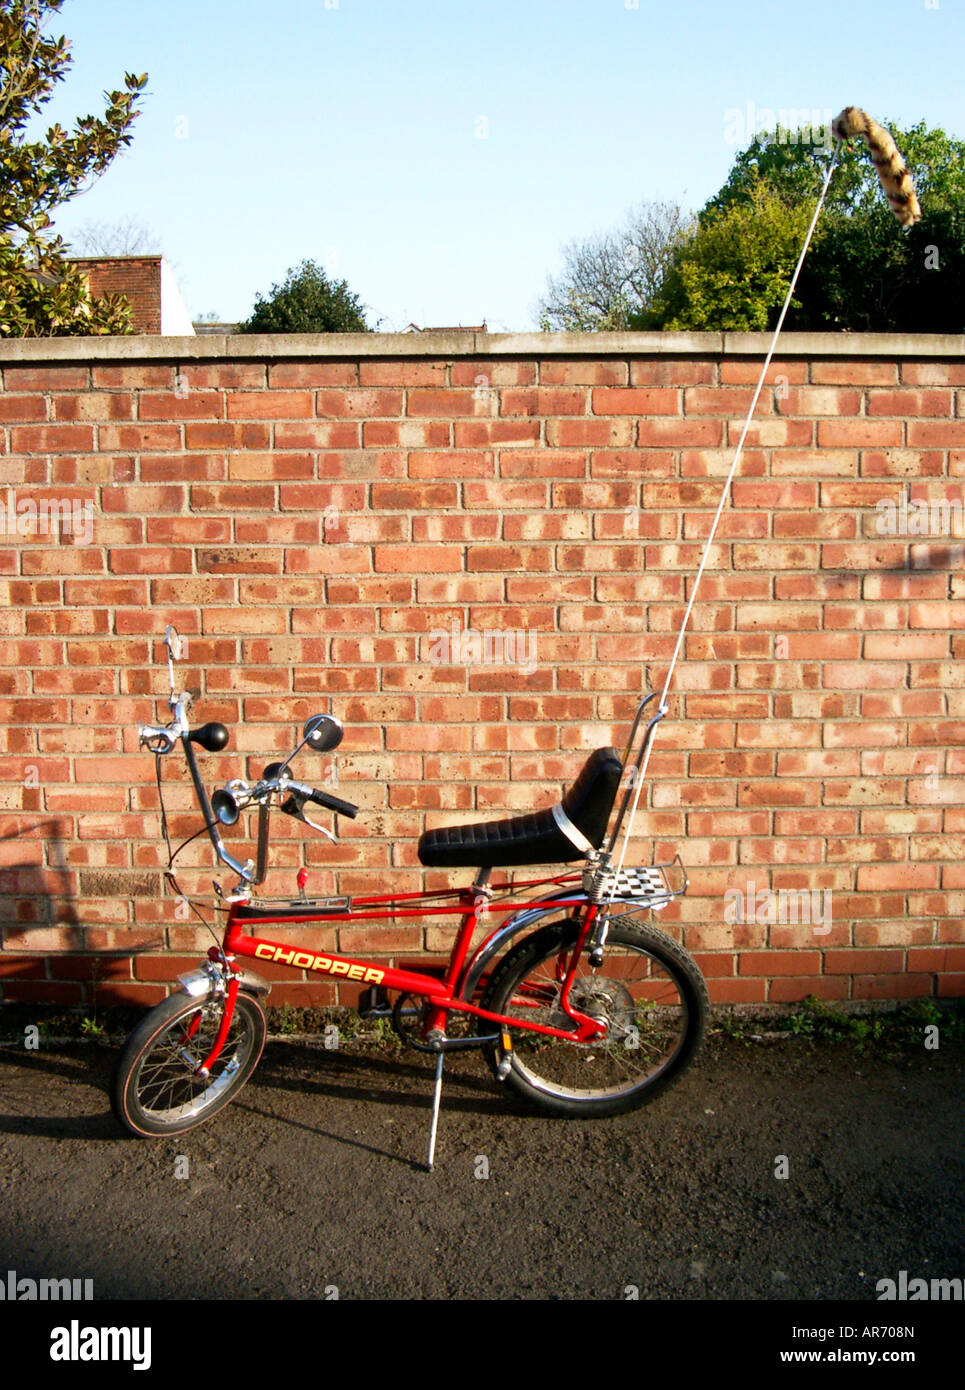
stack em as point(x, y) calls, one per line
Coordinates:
point(334, 803)
point(212, 737)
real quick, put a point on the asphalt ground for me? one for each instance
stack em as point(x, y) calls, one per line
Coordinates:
point(784, 1172)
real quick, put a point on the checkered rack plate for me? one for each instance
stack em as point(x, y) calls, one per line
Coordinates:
point(650, 887)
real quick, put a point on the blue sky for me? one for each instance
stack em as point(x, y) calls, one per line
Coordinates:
point(436, 154)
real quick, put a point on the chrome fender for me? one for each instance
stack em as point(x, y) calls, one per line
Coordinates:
point(208, 981)
point(512, 927)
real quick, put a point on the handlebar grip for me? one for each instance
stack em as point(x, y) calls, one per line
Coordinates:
point(333, 803)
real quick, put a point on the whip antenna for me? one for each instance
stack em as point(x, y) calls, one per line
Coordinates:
point(897, 184)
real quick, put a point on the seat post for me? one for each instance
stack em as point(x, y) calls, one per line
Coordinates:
point(481, 879)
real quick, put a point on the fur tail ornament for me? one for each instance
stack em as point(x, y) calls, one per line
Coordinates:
point(885, 155)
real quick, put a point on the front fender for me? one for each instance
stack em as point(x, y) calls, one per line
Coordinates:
point(208, 982)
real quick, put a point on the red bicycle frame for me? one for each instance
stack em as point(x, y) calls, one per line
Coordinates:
point(442, 993)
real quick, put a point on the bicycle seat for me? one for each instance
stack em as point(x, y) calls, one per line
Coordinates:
point(566, 831)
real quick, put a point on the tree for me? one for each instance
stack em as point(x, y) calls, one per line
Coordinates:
point(308, 302)
point(612, 277)
point(862, 272)
point(735, 272)
point(41, 295)
point(129, 237)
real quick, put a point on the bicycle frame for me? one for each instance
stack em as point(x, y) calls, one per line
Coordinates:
point(452, 991)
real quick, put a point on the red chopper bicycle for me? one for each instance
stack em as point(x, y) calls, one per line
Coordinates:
point(581, 1009)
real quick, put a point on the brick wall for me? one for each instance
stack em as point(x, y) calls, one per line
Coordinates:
point(138, 278)
point(312, 513)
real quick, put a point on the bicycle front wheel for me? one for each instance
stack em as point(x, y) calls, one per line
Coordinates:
point(156, 1089)
point(649, 993)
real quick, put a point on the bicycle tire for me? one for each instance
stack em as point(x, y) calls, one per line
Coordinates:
point(654, 1000)
point(155, 1090)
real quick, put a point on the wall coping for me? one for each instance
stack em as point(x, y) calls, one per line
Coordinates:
point(471, 344)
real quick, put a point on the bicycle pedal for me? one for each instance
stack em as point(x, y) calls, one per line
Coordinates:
point(374, 1003)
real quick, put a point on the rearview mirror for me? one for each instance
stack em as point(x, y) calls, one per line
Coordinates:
point(323, 732)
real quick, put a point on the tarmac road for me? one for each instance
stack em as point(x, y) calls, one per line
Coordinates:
point(311, 1185)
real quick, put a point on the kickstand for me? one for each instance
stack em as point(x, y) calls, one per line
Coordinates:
point(436, 1099)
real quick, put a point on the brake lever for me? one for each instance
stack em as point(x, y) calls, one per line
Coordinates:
point(294, 806)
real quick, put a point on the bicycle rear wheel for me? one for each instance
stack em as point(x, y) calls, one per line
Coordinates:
point(648, 991)
point(156, 1089)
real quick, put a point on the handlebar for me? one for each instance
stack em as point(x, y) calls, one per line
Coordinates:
point(331, 803)
point(228, 802)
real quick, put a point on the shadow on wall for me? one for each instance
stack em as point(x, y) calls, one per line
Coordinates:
point(35, 895)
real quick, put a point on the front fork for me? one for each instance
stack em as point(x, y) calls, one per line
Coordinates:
point(209, 983)
point(231, 994)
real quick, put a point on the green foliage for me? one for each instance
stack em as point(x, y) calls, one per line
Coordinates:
point(886, 1031)
point(902, 1026)
point(735, 272)
point(862, 272)
point(40, 294)
point(308, 302)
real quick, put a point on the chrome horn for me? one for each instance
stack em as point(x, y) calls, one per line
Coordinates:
point(229, 802)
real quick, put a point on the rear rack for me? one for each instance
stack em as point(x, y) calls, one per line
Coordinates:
point(647, 888)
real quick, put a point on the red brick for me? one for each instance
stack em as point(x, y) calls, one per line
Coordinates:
point(270, 405)
point(542, 401)
point(771, 963)
point(395, 373)
point(229, 434)
point(673, 372)
point(792, 990)
point(116, 994)
point(936, 434)
point(724, 991)
point(185, 405)
point(476, 434)
point(142, 438)
point(444, 403)
point(859, 434)
point(582, 372)
point(637, 401)
point(488, 372)
point(316, 374)
point(361, 404)
point(933, 373)
point(21, 409)
point(45, 378)
point(243, 376)
point(51, 439)
point(744, 371)
point(890, 987)
point(908, 404)
point(42, 992)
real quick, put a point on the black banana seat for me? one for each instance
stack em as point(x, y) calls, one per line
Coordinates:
point(566, 831)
